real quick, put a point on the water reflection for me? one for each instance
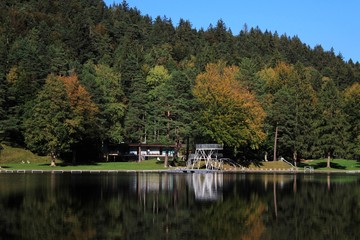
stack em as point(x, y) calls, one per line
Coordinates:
point(179, 206)
point(206, 186)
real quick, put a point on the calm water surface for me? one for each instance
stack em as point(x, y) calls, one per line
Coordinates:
point(179, 206)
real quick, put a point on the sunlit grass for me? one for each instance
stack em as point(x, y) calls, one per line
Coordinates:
point(144, 165)
point(13, 158)
point(272, 165)
point(18, 155)
point(335, 164)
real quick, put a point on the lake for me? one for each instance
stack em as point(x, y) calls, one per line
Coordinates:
point(179, 206)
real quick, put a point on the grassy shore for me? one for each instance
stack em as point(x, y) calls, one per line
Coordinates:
point(13, 158)
point(153, 164)
point(145, 165)
point(17, 155)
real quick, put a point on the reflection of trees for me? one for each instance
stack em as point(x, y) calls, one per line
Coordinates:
point(235, 218)
point(33, 211)
point(317, 210)
point(108, 206)
point(178, 216)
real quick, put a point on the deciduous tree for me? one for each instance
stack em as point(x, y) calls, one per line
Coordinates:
point(60, 116)
point(230, 114)
point(49, 125)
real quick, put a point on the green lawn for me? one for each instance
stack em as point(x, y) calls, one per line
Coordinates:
point(17, 155)
point(153, 164)
point(144, 165)
point(335, 164)
point(269, 165)
point(12, 158)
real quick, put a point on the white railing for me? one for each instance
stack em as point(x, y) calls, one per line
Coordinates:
point(210, 146)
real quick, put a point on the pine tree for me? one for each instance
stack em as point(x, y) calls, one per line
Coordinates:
point(135, 119)
point(352, 110)
point(106, 90)
point(332, 128)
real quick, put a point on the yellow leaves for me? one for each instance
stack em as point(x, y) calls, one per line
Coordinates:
point(232, 113)
point(254, 223)
point(275, 78)
point(157, 75)
point(217, 84)
point(13, 75)
point(353, 92)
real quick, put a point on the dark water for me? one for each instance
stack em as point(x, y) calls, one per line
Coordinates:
point(179, 206)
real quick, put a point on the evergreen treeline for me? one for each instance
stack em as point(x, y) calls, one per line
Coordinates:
point(75, 74)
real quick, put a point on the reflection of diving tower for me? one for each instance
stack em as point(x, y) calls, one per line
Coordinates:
point(207, 186)
point(207, 153)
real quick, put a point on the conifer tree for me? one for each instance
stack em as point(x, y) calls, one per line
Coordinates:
point(332, 127)
point(135, 119)
point(352, 110)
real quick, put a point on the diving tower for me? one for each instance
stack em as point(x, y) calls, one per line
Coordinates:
point(208, 154)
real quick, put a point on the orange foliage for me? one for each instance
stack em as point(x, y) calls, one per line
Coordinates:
point(254, 223)
point(100, 29)
point(79, 97)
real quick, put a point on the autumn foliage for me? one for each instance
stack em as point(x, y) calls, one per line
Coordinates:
point(79, 97)
point(230, 113)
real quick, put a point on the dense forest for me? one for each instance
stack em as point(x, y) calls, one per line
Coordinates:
point(76, 75)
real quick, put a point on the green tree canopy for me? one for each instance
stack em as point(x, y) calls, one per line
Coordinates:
point(48, 127)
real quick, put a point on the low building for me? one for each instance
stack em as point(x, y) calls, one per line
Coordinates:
point(137, 151)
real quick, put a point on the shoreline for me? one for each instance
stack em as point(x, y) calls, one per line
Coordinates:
point(186, 171)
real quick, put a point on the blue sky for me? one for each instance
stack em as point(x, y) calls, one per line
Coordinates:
point(329, 23)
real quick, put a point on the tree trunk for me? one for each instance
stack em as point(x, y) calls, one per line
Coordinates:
point(166, 159)
point(275, 142)
point(168, 125)
point(328, 160)
point(74, 157)
point(53, 159)
point(295, 157)
point(139, 154)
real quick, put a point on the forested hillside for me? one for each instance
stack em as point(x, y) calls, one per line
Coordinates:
point(76, 74)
